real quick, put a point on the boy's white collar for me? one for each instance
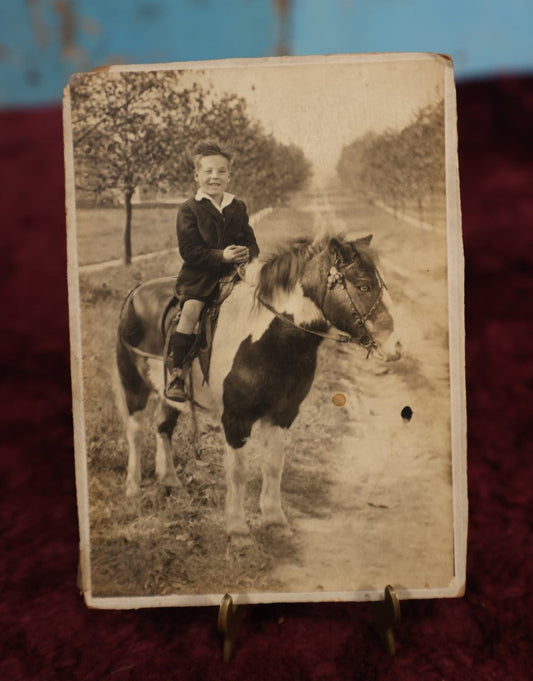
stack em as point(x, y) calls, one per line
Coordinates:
point(227, 198)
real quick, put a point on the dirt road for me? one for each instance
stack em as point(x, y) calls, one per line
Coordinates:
point(390, 515)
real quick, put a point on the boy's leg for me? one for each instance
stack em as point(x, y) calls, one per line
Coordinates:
point(190, 314)
point(181, 342)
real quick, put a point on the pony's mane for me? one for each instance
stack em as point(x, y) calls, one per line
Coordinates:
point(282, 269)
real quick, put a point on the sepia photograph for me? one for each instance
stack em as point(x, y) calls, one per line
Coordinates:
point(267, 330)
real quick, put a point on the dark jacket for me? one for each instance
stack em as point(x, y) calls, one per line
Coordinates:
point(203, 234)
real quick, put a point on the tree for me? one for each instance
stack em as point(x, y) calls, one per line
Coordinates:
point(119, 122)
point(138, 129)
point(399, 166)
point(265, 171)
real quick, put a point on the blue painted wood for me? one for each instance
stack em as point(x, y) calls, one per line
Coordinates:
point(482, 36)
point(42, 42)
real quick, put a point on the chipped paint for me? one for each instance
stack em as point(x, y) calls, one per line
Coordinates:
point(44, 41)
point(67, 30)
point(41, 31)
point(283, 10)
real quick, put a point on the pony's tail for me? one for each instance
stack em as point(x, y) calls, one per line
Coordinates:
point(133, 390)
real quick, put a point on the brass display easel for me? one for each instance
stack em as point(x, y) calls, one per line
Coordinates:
point(229, 619)
point(386, 615)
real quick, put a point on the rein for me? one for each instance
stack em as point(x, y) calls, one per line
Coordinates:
point(335, 276)
point(337, 338)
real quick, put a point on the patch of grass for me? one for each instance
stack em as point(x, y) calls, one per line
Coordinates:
point(100, 231)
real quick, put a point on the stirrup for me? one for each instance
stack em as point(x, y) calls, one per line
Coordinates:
point(175, 389)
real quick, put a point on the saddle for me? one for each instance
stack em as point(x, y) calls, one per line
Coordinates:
point(207, 323)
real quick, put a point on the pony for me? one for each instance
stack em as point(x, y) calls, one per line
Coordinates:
point(263, 360)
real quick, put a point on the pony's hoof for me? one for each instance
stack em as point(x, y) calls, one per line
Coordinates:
point(132, 490)
point(275, 518)
point(239, 533)
point(170, 480)
point(280, 531)
point(241, 541)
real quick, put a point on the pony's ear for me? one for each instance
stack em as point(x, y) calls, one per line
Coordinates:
point(354, 243)
point(364, 241)
point(319, 240)
point(337, 249)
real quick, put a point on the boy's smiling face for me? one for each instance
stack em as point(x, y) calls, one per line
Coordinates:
point(212, 174)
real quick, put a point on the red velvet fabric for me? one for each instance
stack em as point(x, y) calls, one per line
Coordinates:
point(46, 632)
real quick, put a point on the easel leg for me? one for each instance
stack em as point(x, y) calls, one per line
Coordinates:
point(386, 615)
point(229, 619)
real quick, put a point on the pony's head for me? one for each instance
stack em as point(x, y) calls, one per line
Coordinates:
point(355, 298)
point(342, 280)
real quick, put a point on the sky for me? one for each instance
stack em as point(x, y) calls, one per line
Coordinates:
point(323, 106)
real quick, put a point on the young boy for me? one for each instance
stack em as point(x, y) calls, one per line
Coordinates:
point(214, 236)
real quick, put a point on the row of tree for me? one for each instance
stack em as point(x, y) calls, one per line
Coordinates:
point(399, 167)
point(136, 131)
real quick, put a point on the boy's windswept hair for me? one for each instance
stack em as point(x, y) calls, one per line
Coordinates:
point(209, 147)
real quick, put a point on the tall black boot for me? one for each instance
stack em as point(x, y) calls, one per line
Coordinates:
point(181, 344)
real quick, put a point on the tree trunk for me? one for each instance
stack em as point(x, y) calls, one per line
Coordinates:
point(127, 228)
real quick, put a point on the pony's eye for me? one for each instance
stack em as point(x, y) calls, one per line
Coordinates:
point(364, 288)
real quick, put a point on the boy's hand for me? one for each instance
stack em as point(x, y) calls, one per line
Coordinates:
point(236, 254)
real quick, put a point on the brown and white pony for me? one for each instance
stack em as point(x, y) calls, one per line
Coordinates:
point(263, 358)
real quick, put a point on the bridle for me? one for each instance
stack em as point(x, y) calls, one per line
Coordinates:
point(336, 277)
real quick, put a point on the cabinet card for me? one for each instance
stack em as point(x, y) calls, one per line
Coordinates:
point(322, 454)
